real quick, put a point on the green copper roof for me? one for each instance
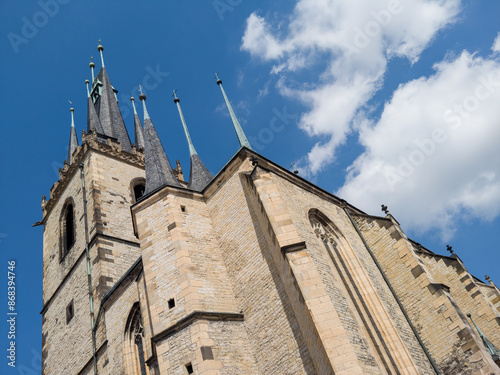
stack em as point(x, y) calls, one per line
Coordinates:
point(237, 127)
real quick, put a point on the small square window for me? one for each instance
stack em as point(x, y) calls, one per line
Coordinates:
point(70, 312)
point(189, 368)
point(183, 208)
point(171, 303)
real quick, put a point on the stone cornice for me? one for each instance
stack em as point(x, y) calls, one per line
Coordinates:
point(90, 142)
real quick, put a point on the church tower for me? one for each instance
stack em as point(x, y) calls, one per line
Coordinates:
point(253, 270)
point(89, 242)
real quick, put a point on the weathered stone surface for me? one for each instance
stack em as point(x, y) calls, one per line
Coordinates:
point(263, 273)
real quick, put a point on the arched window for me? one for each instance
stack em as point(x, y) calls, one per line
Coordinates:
point(134, 349)
point(138, 187)
point(359, 293)
point(67, 228)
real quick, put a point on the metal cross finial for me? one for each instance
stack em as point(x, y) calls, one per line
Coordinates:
point(487, 278)
point(174, 94)
point(140, 89)
point(216, 75)
point(385, 209)
point(450, 249)
point(70, 102)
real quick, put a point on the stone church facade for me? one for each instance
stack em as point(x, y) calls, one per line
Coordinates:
point(252, 271)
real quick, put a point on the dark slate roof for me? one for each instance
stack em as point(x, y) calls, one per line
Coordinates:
point(139, 132)
point(199, 176)
point(109, 112)
point(93, 122)
point(158, 169)
point(73, 143)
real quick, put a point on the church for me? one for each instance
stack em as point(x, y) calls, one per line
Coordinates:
point(252, 271)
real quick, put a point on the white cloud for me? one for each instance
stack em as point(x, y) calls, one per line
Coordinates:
point(496, 44)
point(353, 40)
point(433, 155)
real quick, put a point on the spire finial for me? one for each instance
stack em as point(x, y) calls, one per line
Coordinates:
point(72, 117)
point(100, 48)
point(219, 81)
point(488, 278)
point(87, 84)
point(237, 127)
point(92, 66)
point(450, 249)
point(176, 99)
point(133, 104)
point(192, 150)
point(142, 98)
point(385, 209)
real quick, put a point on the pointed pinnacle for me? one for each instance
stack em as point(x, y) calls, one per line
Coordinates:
point(192, 150)
point(237, 127)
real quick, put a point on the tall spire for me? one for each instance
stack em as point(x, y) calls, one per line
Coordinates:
point(177, 101)
point(237, 127)
point(199, 176)
point(73, 140)
point(108, 110)
point(158, 169)
point(139, 132)
point(93, 123)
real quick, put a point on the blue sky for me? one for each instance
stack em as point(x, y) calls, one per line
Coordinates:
point(377, 101)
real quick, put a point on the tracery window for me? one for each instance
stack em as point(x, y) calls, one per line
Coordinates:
point(352, 277)
point(134, 348)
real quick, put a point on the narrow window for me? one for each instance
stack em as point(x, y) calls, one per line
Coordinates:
point(67, 228)
point(171, 303)
point(189, 368)
point(140, 352)
point(183, 208)
point(70, 312)
point(69, 223)
point(134, 334)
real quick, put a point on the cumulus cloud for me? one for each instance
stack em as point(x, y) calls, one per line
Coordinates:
point(353, 41)
point(433, 154)
point(496, 44)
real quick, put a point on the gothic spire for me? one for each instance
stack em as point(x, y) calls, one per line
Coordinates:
point(199, 176)
point(237, 127)
point(108, 110)
point(93, 123)
point(139, 132)
point(158, 169)
point(73, 140)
